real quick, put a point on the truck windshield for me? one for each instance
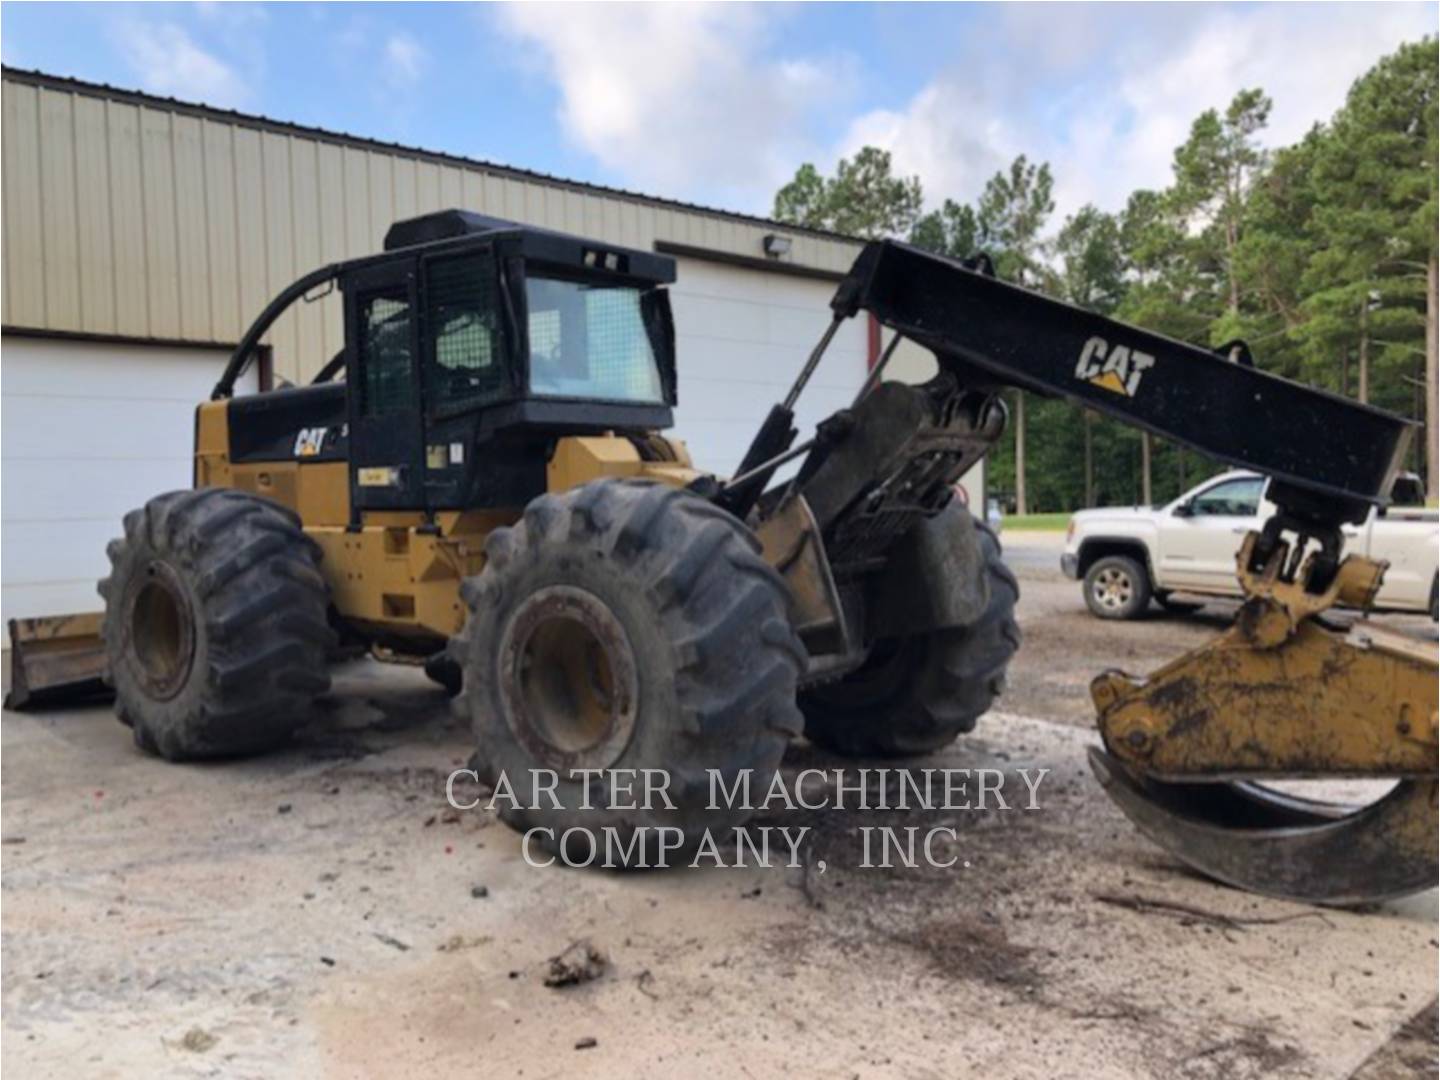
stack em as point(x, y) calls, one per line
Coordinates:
point(590, 341)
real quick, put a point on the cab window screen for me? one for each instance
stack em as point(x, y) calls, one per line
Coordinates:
point(385, 358)
point(466, 365)
point(589, 341)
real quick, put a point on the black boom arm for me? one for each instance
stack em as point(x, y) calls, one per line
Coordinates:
point(1330, 458)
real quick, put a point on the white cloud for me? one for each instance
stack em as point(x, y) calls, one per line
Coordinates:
point(679, 98)
point(232, 14)
point(168, 61)
point(1106, 93)
point(404, 60)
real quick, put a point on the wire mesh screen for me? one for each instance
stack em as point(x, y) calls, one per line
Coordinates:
point(385, 355)
point(467, 365)
point(589, 341)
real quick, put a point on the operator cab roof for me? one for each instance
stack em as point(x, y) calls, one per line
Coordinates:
point(453, 226)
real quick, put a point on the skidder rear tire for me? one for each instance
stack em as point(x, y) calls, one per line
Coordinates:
point(918, 693)
point(215, 624)
point(626, 625)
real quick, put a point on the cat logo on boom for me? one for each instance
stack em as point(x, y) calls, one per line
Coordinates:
point(1118, 370)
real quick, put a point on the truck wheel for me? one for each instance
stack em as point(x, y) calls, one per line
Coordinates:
point(916, 694)
point(625, 625)
point(215, 624)
point(1117, 587)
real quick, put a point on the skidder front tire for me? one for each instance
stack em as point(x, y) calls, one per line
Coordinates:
point(215, 624)
point(626, 625)
point(444, 672)
point(918, 693)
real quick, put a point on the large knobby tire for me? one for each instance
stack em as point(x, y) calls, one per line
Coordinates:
point(1117, 587)
point(626, 625)
point(215, 624)
point(915, 694)
point(445, 672)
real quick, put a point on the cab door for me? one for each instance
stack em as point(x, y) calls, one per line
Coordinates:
point(387, 452)
point(465, 354)
point(1200, 538)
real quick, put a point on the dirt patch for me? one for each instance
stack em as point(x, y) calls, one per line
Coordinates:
point(966, 948)
point(1411, 1052)
point(1250, 1054)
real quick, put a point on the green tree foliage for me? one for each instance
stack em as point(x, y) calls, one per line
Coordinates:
point(1374, 230)
point(1272, 256)
point(951, 230)
point(805, 200)
point(1092, 261)
point(1010, 217)
point(1214, 171)
point(864, 198)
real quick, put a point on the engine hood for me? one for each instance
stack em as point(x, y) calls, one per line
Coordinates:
point(1088, 519)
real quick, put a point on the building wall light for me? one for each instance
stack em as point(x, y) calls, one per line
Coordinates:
point(776, 246)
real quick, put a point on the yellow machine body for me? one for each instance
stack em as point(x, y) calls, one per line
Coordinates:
point(398, 575)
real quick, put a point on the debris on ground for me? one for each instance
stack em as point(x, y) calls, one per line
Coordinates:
point(393, 942)
point(586, 1043)
point(479, 892)
point(1188, 914)
point(459, 942)
point(198, 1040)
point(580, 962)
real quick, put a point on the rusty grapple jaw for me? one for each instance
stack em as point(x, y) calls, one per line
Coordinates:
point(1284, 695)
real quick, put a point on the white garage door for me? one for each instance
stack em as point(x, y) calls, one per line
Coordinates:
point(741, 337)
point(90, 431)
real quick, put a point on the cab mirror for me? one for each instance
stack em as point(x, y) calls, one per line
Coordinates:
point(1185, 509)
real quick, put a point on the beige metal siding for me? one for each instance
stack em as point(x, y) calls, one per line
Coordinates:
point(92, 219)
point(141, 220)
point(126, 211)
point(24, 287)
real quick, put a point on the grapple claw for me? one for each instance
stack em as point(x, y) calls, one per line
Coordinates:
point(1281, 845)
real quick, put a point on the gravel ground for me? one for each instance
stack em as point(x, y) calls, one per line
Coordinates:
point(323, 912)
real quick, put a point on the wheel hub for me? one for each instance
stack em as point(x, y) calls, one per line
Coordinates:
point(568, 679)
point(1112, 588)
point(162, 631)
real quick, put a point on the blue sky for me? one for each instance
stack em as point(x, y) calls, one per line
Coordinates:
point(719, 103)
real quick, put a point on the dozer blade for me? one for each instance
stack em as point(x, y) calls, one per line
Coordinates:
point(1279, 845)
point(55, 660)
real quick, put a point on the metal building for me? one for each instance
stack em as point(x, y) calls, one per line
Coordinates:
point(142, 235)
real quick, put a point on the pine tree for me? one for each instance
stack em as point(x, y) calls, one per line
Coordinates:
point(950, 230)
point(1011, 214)
point(1372, 277)
point(1091, 275)
point(864, 198)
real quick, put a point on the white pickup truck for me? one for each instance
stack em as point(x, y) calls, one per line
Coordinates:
point(1127, 556)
